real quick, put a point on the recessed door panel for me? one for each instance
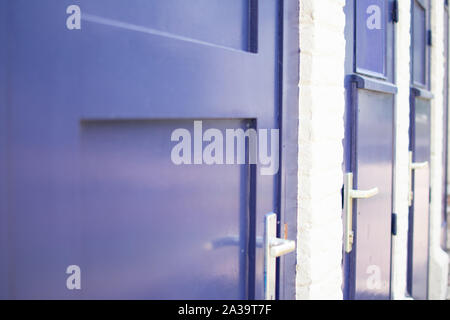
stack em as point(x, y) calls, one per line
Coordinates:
point(420, 144)
point(420, 205)
point(135, 202)
point(232, 20)
point(419, 40)
point(373, 216)
point(371, 35)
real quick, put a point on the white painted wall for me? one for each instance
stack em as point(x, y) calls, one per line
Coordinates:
point(438, 273)
point(322, 105)
point(401, 169)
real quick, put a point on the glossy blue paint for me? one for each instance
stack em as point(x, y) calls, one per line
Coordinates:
point(372, 217)
point(417, 280)
point(369, 147)
point(289, 149)
point(371, 32)
point(420, 53)
point(3, 157)
point(86, 147)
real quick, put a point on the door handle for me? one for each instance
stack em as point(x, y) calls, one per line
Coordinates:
point(281, 247)
point(412, 167)
point(273, 248)
point(419, 165)
point(367, 194)
point(349, 195)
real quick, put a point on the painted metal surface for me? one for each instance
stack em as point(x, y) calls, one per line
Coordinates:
point(417, 282)
point(374, 38)
point(369, 146)
point(371, 32)
point(373, 168)
point(3, 157)
point(419, 41)
point(289, 149)
point(89, 117)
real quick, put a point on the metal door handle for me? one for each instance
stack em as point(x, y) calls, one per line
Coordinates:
point(281, 247)
point(419, 165)
point(349, 195)
point(367, 194)
point(414, 166)
point(273, 248)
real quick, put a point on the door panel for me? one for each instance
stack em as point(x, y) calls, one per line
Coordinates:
point(90, 179)
point(371, 58)
point(373, 216)
point(134, 201)
point(419, 211)
point(182, 18)
point(419, 38)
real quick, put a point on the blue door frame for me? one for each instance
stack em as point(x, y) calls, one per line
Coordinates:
point(109, 122)
point(369, 143)
point(4, 252)
point(289, 94)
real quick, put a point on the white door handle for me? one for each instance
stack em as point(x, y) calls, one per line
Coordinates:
point(349, 195)
point(281, 247)
point(367, 194)
point(412, 167)
point(419, 165)
point(273, 248)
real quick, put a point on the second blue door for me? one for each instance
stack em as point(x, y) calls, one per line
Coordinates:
point(369, 146)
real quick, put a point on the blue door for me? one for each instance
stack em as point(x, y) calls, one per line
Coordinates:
point(369, 148)
point(420, 131)
point(89, 115)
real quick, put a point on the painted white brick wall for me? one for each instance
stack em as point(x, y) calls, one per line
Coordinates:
point(322, 106)
point(438, 269)
point(401, 170)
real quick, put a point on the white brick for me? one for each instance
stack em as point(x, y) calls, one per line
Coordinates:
point(322, 106)
point(438, 268)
